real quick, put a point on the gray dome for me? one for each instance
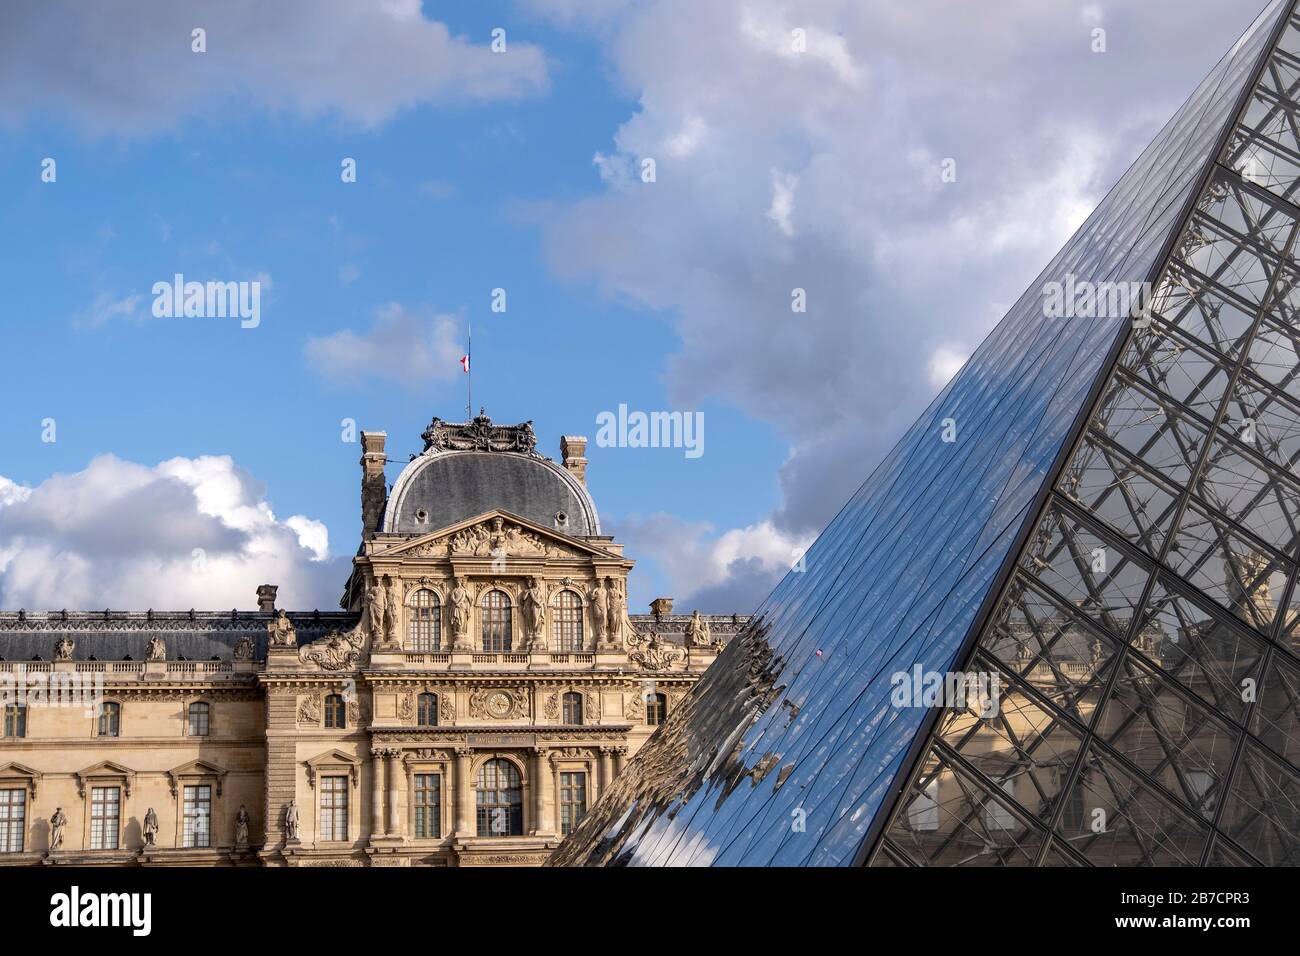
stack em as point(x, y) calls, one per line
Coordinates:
point(440, 488)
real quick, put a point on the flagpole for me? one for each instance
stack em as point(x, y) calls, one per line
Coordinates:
point(469, 384)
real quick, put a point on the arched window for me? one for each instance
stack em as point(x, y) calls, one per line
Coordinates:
point(572, 708)
point(110, 719)
point(427, 710)
point(199, 712)
point(568, 623)
point(424, 632)
point(500, 797)
point(335, 712)
point(656, 709)
point(496, 623)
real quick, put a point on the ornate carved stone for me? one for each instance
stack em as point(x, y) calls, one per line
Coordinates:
point(479, 435)
point(533, 602)
point(309, 709)
point(591, 711)
point(337, 650)
point(406, 706)
point(280, 630)
point(498, 704)
point(243, 649)
point(462, 606)
point(447, 707)
point(157, 650)
point(552, 707)
point(697, 631)
point(652, 653)
point(634, 707)
point(63, 648)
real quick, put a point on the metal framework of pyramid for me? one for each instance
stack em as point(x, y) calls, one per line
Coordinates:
point(1100, 515)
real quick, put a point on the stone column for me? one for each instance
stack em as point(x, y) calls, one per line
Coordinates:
point(606, 769)
point(541, 791)
point(394, 804)
point(620, 760)
point(463, 793)
point(555, 789)
point(376, 794)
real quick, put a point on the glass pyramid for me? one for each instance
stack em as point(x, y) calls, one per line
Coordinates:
point(1098, 520)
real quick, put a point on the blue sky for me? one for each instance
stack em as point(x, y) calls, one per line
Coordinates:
point(775, 171)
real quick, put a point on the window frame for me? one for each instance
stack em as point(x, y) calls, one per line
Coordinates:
point(496, 622)
point(334, 712)
point(567, 613)
point(424, 622)
point(102, 719)
point(13, 829)
point(566, 806)
point(196, 708)
point(515, 814)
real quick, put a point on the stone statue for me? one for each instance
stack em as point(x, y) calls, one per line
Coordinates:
point(57, 823)
point(291, 822)
point(461, 607)
point(63, 648)
point(697, 631)
point(534, 605)
point(617, 611)
point(241, 826)
point(281, 632)
point(391, 611)
point(157, 650)
point(244, 649)
point(150, 828)
point(599, 611)
point(375, 602)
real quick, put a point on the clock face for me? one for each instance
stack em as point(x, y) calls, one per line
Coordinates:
point(499, 704)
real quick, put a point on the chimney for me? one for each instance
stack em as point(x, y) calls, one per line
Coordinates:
point(374, 490)
point(661, 607)
point(571, 455)
point(266, 597)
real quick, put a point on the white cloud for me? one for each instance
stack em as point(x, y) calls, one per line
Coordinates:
point(842, 148)
point(136, 73)
point(411, 348)
point(107, 307)
point(719, 573)
point(187, 532)
point(944, 364)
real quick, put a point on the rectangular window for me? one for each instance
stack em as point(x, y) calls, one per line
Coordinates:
point(923, 814)
point(105, 816)
point(333, 809)
point(13, 816)
point(15, 720)
point(428, 806)
point(573, 800)
point(198, 815)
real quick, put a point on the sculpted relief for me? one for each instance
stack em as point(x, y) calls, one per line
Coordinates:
point(495, 538)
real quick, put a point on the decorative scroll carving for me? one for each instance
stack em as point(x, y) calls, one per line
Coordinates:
point(406, 706)
point(337, 650)
point(244, 649)
point(309, 709)
point(634, 707)
point(652, 653)
point(446, 707)
point(552, 706)
point(591, 712)
point(479, 435)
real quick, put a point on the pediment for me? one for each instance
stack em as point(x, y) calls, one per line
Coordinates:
point(105, 768)
point(333, 760)
point(492, 533)
point(16, 771)
point(196, 768)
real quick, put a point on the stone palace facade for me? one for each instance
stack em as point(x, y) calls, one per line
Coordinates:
point(482, 686)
